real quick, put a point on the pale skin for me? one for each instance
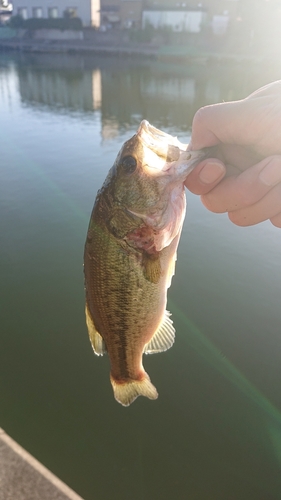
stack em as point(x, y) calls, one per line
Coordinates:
point(243, 177)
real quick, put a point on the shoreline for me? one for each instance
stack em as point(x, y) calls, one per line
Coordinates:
point(71, 47)
point(166, 53)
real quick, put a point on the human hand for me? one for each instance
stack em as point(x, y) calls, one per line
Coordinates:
point(243, 177)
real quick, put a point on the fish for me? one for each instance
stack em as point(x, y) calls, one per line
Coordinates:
point(130, 254)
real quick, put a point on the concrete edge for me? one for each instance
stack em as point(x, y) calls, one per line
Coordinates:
point(46, 473)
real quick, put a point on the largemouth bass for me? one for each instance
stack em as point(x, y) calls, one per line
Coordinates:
point(130, 255)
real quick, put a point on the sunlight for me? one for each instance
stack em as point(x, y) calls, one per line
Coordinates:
point(199, 342)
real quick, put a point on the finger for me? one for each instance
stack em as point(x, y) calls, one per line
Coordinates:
point(276, 220)
point(243, 190)
point(205, 176)
point(222, 123)
point(266, 208)
point(272, 88)
point(241, 157)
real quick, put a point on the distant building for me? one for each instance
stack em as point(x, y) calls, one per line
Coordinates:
point(110, 12)
point(180, 15)
point(137, 13)
point(121, 13)
point(178, 19)
point(131, 13)
point(87, 10)
point(189, 15)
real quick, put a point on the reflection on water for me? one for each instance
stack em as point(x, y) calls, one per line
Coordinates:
point(163, 93)
point(54, 89)
point(215, 431)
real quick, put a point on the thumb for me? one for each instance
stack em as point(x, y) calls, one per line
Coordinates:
point(205, 176)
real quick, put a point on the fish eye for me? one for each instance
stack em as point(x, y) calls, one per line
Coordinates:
point(129, 164)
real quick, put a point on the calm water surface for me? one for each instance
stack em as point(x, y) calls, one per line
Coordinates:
point(215, 431)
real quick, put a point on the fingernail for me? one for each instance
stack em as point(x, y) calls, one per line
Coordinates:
point(271, 174)
point(211, 172)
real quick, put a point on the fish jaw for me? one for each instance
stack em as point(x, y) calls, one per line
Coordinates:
point(160, 141)
point(164, 154)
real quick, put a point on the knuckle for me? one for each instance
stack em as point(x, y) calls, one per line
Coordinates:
point(200, 116)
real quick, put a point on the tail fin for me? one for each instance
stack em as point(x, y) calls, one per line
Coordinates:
point(126, 392)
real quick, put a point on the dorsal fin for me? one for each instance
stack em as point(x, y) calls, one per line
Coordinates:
point(96, 339)
point(163, 338)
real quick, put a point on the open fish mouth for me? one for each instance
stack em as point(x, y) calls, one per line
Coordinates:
point(164, 145)
point(162, 149)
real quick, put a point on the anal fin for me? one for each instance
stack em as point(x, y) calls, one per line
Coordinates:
point(163, 338)
point(95, 338)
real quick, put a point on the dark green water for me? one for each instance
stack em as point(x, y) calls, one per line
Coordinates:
point(215, 431)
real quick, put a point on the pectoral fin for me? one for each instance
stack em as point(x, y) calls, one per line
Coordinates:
point(152, 267)
point(95, 338)
point(163, 338)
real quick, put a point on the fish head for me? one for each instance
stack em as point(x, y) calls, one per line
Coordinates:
point(148, 169)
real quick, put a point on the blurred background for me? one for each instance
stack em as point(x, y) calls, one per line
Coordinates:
point(210, 28)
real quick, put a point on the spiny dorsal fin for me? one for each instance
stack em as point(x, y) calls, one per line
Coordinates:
point(96, 339)
point(163, 338)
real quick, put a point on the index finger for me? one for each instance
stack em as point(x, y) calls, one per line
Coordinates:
point(222, 123)
point(237, 192)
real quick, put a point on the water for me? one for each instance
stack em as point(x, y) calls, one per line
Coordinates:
point(215, 431)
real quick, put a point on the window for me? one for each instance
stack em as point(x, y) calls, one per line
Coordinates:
point(53, 12)
point(22, 11)
point(37, 12)
point(70, 12)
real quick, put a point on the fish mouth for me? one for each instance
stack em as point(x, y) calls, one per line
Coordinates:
point(162, 150)
point(164, 145)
